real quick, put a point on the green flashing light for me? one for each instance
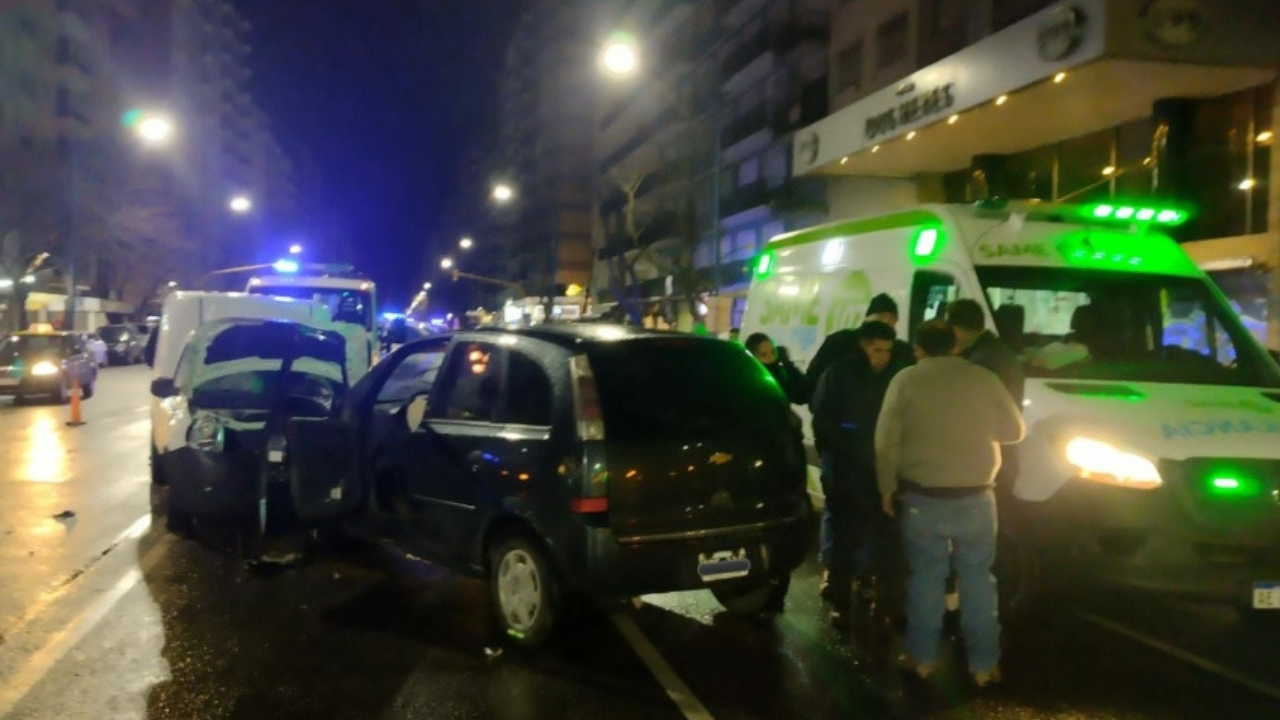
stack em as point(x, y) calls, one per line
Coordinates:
point(1125, 213)
point(764, 266)
point(1138, 213)
point(131, 118)
point(1168, 216)
point(1230, 483)
point(1145, 214)
point(1226, 483)
point(928, 241)
point(1103, 211)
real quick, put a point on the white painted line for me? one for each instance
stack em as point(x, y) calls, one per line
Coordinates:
point(679, 693)
point(1209, 666)
point(135, 530)
point(38, 664)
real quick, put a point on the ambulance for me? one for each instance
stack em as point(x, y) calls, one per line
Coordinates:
point(1152, 459)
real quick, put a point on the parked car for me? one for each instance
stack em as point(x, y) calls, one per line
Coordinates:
point(124, 344)
point(46, 362)
point(568, 461)
point(97, 348)
point(235, 387)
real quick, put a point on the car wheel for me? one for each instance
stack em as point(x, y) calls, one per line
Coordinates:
point(64, 393)
point(523, 586)
point(87, 391)
point(748, 598)
point(19, 399)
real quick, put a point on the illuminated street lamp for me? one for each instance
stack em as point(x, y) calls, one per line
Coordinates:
point(620, 57)
point(503, 192)
point(240, 204)
point(465, 243)
point(446, 264)
point(155, 129)
point(426, 286)
point(295, 249)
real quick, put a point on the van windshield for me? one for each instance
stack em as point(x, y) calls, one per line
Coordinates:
point(346, 306)
point(1107, 325)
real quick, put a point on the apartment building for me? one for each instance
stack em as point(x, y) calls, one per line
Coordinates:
point(1082, 101)
point(545, 148)
point(698, 146)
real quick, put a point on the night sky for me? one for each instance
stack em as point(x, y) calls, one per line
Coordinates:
point(388, 96)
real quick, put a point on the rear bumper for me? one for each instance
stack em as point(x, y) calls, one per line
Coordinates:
point(1101, 537)
point(605, 568)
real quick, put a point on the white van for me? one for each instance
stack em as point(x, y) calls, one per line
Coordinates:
point(185, 311)
point(1151, 460)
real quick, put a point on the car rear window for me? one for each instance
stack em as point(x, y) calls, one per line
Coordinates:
point(684, 389)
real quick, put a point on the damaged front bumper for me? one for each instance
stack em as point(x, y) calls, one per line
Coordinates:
point(223, 486)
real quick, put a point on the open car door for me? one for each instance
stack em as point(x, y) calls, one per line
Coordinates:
point(324, 477)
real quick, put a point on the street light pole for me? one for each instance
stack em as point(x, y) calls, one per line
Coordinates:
point(73, 199)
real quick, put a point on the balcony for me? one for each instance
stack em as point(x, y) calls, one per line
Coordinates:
point(755, 45)
point(808, 31)
point(744, 126)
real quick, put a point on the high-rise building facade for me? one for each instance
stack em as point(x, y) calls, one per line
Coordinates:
point(693, 152)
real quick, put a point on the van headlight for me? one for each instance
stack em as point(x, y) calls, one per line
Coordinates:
point(44, 368)
point(1103, 463)
point(207, 434)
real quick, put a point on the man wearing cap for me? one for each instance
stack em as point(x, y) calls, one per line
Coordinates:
point(842, 345)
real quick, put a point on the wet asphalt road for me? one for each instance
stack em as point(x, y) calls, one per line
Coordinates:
point(105, 615)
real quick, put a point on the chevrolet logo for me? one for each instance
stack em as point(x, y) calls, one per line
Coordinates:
point(720, 459)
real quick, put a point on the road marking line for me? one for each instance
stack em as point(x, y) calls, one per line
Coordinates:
point(42, 661)
point(676, 689)
point(1209, 666)
point(136, 530)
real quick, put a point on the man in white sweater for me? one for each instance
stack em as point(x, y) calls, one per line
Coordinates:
point(938, 450)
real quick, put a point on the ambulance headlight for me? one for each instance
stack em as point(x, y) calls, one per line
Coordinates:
point(207, 434)
point(1102, 462)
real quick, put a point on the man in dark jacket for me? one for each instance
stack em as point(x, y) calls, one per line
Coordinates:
point(779, 365)
point(845, 407)
point(981, 347)
point(846, 343)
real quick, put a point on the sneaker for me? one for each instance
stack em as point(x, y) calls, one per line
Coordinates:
point(987, 678)
point(824, 587)
point(908, 664)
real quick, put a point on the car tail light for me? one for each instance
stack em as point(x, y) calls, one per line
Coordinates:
point(586, 400)
point(589, 505)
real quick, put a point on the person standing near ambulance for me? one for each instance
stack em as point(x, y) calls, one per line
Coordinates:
point(938, 450)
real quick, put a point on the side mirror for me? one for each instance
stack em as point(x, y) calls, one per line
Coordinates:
point(163, 388)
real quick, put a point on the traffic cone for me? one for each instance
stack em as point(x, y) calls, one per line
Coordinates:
point(76, 420)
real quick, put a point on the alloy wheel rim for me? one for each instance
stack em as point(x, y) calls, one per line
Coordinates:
point(519, 590)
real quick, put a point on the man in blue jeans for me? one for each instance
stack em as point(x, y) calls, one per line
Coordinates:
point(938, 446)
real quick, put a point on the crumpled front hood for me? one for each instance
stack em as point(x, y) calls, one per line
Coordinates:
point(1159, 420)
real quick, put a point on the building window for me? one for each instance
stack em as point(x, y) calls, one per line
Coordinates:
point(891, 41)
point(749, 172)
point(775, 169)
point(849, 67)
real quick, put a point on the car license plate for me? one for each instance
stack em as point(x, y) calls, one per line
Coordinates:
point(1266, 595)
point(723, 565)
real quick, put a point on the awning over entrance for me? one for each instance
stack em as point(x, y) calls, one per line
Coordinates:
point(1102, 94)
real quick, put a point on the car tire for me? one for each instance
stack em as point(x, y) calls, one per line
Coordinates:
point(87, 391)
point(524, 590)
point(19, 399)
point(63, 395)
point(747, 598)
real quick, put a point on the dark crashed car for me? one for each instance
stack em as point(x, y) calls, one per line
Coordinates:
point(561, 462)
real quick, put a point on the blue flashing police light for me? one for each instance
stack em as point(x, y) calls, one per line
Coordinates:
point(287, 267)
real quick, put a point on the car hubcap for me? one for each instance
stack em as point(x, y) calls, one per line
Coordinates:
point(519, 590)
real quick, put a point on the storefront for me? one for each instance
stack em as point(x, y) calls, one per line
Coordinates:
point(1082, 102)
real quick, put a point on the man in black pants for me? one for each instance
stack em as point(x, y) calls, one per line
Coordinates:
point(845, 407)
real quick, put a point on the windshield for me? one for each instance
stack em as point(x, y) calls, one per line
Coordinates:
point(242, 369)
point(115, 334)
point(1102, 325)
point(16, 346)
point(349, 306)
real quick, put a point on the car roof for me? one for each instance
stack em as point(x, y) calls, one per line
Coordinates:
point(569, 335)
point(55, 333)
